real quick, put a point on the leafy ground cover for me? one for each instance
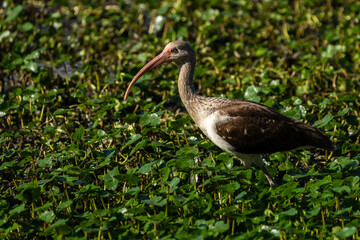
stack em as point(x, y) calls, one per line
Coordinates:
point(78, 162)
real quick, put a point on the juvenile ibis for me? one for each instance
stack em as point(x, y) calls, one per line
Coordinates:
point(243, 128)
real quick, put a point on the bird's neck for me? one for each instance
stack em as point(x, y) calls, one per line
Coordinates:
point(189, 97)
point(186, 82)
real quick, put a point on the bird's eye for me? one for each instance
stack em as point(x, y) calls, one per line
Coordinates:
point(174, 50)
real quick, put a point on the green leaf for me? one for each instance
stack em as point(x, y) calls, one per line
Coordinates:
point(251, 93)
point(26, 27)
point(342, 189)
point(65, 204)
point(111, 182)
point(18, 209)
point(43, 207)
point(47, 216)
point(220, 227)
point(325, 120)
point(145, 168)
point(175, 181)
point(30, 66)
point(78, 134)
point(151, 119)
point(290, 212)
point(154, 201)
point(130, 178)
point(61, 111)
point(229, 188)
point(58, 224)
point(134, 138)
point(190, 152)
point(346, 232)
point(3, 35)
point(12, 13)
point(139, 145)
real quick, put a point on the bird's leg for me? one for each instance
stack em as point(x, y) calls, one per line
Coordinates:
point(267, 175)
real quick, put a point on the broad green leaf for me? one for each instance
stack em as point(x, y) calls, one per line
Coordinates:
point(346, 232)
point(139, 145)
point(18, 209)
point(32, 66)
point(220, 227)
point(28, 26)
point(152, 201)
point(251, 93)
point(111, 182)
point(12, 13)
point(78, 134)
point(145, 168)
point(47, 216)
point(134, 138)
point(65, 204)
point(290, 212)
point(151, 119)
point(229, 188)
point(325, 120)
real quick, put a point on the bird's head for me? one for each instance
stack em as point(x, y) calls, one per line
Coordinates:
point(177, 51)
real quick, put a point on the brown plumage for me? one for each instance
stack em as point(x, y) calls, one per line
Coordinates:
point(243, 128)
point(252, 120)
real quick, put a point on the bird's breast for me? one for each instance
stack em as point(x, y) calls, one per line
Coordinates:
point(207, 125)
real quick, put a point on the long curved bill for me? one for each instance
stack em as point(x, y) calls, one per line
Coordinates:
point(159, 59)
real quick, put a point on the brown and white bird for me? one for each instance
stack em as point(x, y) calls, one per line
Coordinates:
point(243, 128)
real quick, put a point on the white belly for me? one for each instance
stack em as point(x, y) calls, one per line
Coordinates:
point(208, 126)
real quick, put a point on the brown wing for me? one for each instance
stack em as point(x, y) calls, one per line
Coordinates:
point(255, 128)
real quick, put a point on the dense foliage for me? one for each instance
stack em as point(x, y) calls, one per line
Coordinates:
point(79, 162)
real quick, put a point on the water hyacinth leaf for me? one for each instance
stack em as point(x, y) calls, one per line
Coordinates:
point(108, 153)
point(133, 190)
point(187, 152)
point(17, 209)
point(344, 210)
point(313, 212)
point(151, 119)
point(78, 134)
point(153, 201)
point(241, 196)
point(134, 138)
point(28, 26)
point(220, 227)
point(184, 164)
point(290, 212)
point(130, 178)
point(46, 162)
point(324, 121)
point(342, 189)
point(47, 216)
point(229, 188)
point(64, 204)
point(43, 207)
point(346, 232)
point(165, 172)
point(146, 168)
point(12, 13)
point(61, 111)
point(58, 224)
point(111, 182)
point(139, 145)
point(175, 181)
point(5, 34)
point(32, 66)
point(251, 93)
point(342, 112)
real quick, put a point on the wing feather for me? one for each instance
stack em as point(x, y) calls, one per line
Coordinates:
point(255, 128)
